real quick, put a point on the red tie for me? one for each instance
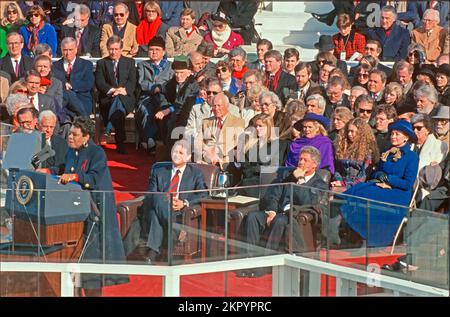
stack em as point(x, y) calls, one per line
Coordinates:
point(16, 69)
point(69, 69)
point(219, 123)
point(79, 33)
point(174, 183)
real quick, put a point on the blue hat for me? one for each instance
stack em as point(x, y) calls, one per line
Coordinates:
point(312, 117)
point(405, 127)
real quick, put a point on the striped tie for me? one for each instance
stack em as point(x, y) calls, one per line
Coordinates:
point(174, 183)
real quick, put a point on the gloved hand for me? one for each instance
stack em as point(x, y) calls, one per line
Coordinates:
point(382, 178)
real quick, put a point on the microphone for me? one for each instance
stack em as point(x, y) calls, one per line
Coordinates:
point(42, 156)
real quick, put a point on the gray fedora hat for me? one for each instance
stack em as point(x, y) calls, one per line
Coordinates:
point(442, 113)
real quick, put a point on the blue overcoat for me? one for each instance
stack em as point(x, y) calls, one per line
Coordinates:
point(102, 238)
point(383, 219)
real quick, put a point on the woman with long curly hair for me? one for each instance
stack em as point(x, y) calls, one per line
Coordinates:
point(356, 154)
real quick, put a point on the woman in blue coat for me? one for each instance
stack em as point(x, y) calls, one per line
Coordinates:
point(37, 32)
point(85, 163)
point(392, 183)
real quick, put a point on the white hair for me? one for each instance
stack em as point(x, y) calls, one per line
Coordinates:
point(47, 114)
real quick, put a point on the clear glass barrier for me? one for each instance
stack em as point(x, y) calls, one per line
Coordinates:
point(124, 227)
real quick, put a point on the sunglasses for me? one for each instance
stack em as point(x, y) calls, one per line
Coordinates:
point(365, 110)
point(221, 69)
point(415, 54)
point(119, 14)
point(418, 127)
point(363, 75)
point(11, 12)
point(34, 15)
point(210, 93)
point(150, 11)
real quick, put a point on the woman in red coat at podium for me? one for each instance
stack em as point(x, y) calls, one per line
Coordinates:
point(85, 163)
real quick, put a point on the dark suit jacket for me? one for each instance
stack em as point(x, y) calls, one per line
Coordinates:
point(81, 78)
point(395, 47)
point(26, 64)
point(105, 80)
point(286, 83)
point(160, 181)
point(277, 198)
point(329, 108)
point(90, 39)
point(59, 145)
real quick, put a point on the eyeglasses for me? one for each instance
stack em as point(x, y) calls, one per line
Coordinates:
point(11, 12)
point(415, 54)
point(151, 11)
point(370, 48)
point(210, 93)
point(221, 69)
point(34, 15)
point(119, 14)
point(365, 110)
point(418, 127)
point(363, 75)
point(13, 43)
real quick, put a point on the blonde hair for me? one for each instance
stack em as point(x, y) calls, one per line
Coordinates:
point(397, 88)
point(20, 18)
point(320, 129)
point(342, 113)
point(268, 122)
point(153, 5)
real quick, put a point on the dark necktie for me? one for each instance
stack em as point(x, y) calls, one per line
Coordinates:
point(270, 85)
point(69, 69)
point(115, 70)
point(16, 68)
point(79, 34)
point(174, 183)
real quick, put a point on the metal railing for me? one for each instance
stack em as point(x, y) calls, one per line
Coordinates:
point(285, 281)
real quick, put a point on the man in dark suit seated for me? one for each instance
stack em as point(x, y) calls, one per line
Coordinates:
point(335, 96)
point(77, 74)
point(41, 101)
point(115, 78)
point(86, 34)
point(273, 215)
point(46, 124)
point(393, 38)
point(262, 46)
point(171, 180)
point(277, 80)
point(14, 63)
point(305, 86)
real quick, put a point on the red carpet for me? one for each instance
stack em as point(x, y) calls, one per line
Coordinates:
point(130, 174)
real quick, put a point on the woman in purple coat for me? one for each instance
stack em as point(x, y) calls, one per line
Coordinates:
point(313, 130)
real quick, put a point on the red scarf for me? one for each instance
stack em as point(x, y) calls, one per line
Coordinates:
point(146, 30)
point(33, 40)
point(276, 78)
point(239, 74)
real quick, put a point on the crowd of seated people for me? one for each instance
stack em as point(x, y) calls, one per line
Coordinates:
point(272, 109)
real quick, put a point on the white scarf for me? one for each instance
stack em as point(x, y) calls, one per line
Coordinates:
point(221, 37)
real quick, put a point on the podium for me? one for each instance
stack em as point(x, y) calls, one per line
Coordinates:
point(48, 227)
